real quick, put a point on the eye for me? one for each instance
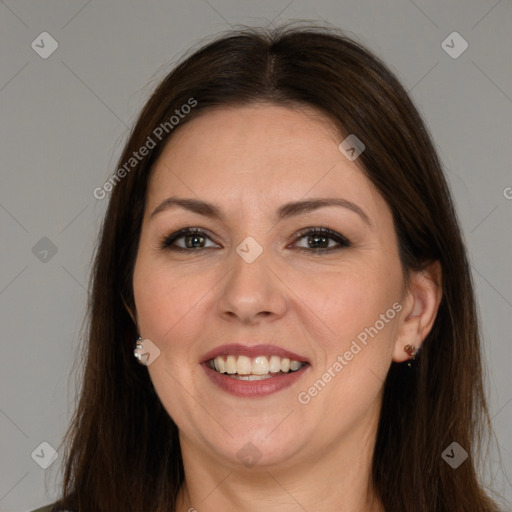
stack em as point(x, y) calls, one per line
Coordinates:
point(193, 238)
point(318, 240)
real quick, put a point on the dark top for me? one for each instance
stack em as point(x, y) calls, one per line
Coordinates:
point(47, 508)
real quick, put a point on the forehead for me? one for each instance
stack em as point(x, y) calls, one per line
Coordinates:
point(239, 131)
point(259, 153)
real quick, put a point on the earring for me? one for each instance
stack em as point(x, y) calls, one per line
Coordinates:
point(138, 352)
point(411, 350)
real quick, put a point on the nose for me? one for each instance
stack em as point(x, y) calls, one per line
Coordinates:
point(252, 291)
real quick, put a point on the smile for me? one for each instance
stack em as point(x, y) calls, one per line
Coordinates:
point(257, 368)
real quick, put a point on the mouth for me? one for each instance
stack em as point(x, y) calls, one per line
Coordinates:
point(257, 368)
point(254, 371)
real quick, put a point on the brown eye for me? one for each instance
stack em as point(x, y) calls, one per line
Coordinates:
point(318, 240)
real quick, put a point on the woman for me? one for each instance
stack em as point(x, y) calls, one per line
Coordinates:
point(282, 256)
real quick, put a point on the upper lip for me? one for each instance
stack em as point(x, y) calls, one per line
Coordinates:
point(252, 351)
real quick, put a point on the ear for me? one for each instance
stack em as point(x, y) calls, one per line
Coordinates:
point(420, 309)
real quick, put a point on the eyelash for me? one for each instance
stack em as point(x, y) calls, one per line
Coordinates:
point(168, 241)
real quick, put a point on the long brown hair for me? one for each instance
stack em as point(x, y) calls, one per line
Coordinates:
point(122, 451)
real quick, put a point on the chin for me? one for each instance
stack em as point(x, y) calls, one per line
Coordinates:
point(259, 448)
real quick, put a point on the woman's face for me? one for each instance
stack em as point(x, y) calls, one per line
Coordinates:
point(262, 272)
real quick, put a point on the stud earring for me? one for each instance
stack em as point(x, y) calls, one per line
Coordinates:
point(411, 350)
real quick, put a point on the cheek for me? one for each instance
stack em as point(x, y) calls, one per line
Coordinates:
point(168, 302)
point(360, 311)
point(355, 353)
point(349, 301)
point(163, 299)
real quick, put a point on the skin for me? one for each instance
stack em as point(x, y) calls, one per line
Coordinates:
point(249, 161)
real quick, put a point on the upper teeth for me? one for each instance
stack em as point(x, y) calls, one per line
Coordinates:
point(261, 365)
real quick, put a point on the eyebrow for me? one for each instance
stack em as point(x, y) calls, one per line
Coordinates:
point(285, 211)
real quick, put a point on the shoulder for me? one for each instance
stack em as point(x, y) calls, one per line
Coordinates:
point(48, 508)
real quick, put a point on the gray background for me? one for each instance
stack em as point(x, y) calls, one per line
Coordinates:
point(65, 118)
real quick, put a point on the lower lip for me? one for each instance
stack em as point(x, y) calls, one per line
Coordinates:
point(254, 388)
